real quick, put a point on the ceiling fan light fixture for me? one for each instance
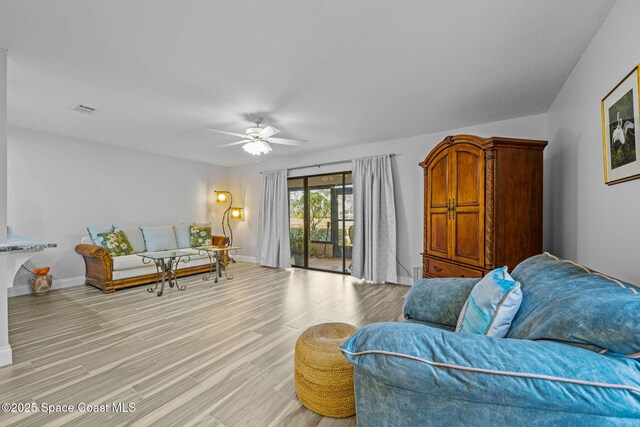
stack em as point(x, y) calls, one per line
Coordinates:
point(257, 147)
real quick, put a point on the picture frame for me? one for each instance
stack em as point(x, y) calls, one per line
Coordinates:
point(620, 140)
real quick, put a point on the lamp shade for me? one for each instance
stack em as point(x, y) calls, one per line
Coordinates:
point(237, 213)
point(221, 196)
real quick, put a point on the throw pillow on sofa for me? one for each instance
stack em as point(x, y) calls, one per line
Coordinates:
point(134, 236)
point(567, 302)
point(159, 238)
point(115, 242)
point(491, 306)
point(94, 231)
point(183, 235)
point(201, 236)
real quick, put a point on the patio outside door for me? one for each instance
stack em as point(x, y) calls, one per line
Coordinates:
point(321, 221)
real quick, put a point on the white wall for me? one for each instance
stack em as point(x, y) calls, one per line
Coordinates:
point(588, 221)
point(245, 181)
point(58, 187)
point(3, 145)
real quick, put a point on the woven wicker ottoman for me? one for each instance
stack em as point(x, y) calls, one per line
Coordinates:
point(323, 377)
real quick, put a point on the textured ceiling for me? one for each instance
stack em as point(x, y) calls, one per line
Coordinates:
point(334, 72)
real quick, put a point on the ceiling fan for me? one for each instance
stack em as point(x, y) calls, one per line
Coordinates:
point(257, 140)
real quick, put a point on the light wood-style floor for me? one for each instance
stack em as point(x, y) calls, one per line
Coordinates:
point(215, 354)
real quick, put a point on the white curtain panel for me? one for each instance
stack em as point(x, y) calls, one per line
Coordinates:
point(374, 220)
point(273, 234)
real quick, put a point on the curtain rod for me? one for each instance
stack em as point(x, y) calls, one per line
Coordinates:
point(339, 162)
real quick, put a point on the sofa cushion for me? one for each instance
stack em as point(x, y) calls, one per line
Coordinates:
point(115, 242)
point(437, 300)
point(151, 269)
point(491, 306)
point(159, 238)
point(128, 262)
point(132, 261)
point(94, 231)
point(200, 236)
point(183, 235)
point(134, 236)
point(476, 368)
point(563, 301)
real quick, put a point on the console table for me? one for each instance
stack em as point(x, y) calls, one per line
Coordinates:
point(166, 264)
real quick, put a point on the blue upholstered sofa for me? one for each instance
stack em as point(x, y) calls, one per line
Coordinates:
point(570, 357)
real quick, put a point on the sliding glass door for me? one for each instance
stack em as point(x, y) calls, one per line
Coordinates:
point(321, 221)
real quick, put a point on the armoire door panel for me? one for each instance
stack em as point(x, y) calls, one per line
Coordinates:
point(439, 242)
point(467, 230)
point(439, 182)
point(467, 245)
point(468, 174)
point(437, 206)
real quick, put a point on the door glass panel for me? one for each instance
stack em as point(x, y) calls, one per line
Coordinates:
point(325, 248)
point(321, 221)
point(296, 220)
point(346, 225)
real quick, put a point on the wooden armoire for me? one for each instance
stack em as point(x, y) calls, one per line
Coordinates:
point(482, 205)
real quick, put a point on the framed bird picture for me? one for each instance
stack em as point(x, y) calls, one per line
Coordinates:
point(620, 116)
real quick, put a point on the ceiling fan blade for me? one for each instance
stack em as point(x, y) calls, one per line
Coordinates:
point(268, 132)
point(234, 143)
point(227, 133)
point(285, 141)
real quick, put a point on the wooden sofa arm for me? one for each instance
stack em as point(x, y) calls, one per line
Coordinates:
point(221, 241)
point(97, 261)
point(91, 250)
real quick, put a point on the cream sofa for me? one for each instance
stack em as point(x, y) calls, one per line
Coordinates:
point(110, 273)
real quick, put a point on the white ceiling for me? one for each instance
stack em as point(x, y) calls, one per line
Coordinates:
point(334, 72)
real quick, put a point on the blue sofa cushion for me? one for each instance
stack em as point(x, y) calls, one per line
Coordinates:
point(159, 238)
point(183, 235)
point(134, 236)
point(563, 301)
point(522, 373)
point(491, 306)
point(437, 300)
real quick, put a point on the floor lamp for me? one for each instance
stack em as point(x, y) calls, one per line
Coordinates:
point(222, 197)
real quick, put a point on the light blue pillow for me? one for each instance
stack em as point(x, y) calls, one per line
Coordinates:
point(159, 238)
point(183, 235)
point(94, 231)
point(491, 306)
point(134, 236)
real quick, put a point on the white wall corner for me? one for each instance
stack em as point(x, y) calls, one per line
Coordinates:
point(6, 357)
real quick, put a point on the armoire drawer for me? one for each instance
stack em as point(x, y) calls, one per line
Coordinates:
point(438, 268)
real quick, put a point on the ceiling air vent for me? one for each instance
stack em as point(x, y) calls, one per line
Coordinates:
point(83, 109)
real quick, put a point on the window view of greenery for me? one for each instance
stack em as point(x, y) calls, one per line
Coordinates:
point(326, 224)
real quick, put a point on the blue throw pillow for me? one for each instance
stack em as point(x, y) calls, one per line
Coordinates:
point(134, 236)
point(491, 306)
point(159, 238)
point(94, 231)
point(183, 235)
point(564, 301)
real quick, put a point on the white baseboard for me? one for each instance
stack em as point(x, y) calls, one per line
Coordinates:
point(405, 280)
point(245, 258)
point(6, 356)
point(57, 284)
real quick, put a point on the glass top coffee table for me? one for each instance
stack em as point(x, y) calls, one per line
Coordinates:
point(215, 253)
point(166, 263)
